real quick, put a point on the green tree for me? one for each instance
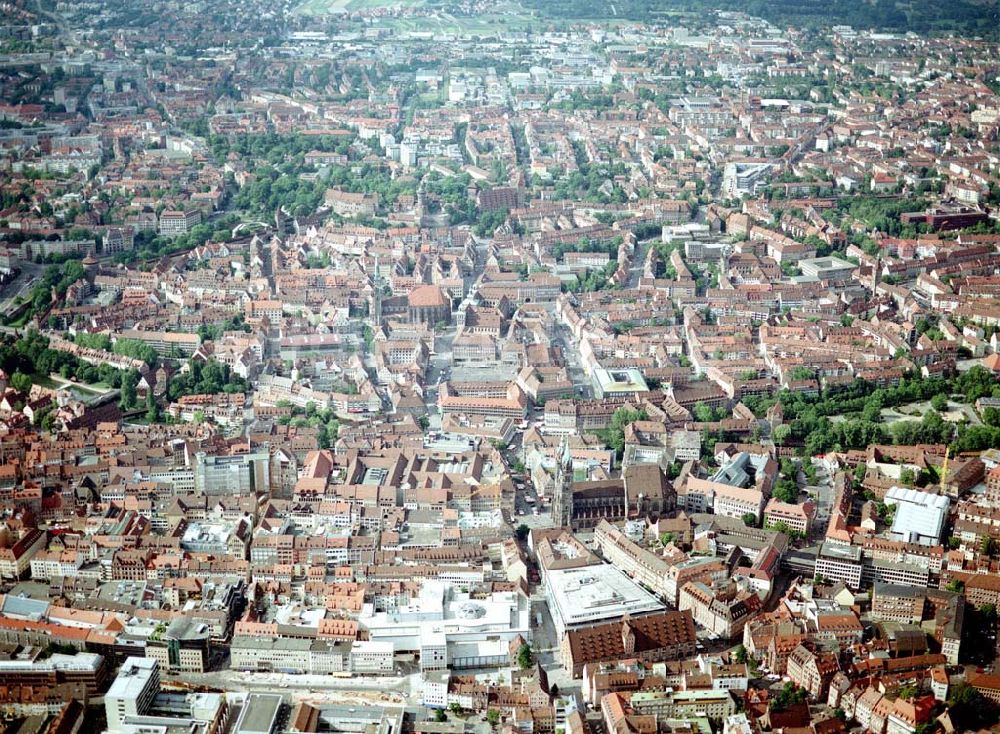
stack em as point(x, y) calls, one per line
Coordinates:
point(991, 417)
point(205, 378)
point(781, 433)
point(152, 408)
point(963, 694)
point(789, 695)
point(703, 413)
point(614, 434)
point(666, 539)
point(986, 546)
point(492, 717)
point(786, 490)
point(60, 648)
point(128, 394)
point(522, 532)
point(782, 527)
point(94, 341)
point(740, 654)
point(802, 372)
point(969, 709)
point(525, 657)
point(21, 382)
point(939, 402)
point(750, 520)
point(136, 350)
point(440, 716)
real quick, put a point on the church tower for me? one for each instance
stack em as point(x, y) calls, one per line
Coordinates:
point(628, 636)
point(375, 311)
point(562, 504)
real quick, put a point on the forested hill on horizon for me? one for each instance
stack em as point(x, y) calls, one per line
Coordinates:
point(967, 17)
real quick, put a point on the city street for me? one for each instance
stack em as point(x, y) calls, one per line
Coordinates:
point(564, 339)
point(438, 371)
point(439, 365)
point(822, 494)
point(363, 690)
point(546, 646)
point(20, 286)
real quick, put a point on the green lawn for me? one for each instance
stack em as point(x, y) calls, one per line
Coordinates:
point(45, 381)
point(79, 390)
point(21, 320)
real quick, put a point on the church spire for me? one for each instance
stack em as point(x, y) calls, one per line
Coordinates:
point(562, 508)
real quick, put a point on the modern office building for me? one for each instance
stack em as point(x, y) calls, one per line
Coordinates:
point(240, 474)
point(132, 692)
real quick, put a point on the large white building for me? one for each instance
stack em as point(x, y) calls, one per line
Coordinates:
point(739, 179)
point(580, 597)
point(133, 691)
point(447, 628)
point(738, 501)
point(625, 381)
point(372, 657)
point(238, 474)
point(920, 516)
point(840, 563)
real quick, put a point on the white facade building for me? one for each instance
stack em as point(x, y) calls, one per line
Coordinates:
point(133, 691)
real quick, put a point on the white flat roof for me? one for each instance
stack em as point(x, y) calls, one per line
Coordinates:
point(596, 593)
point(431, 616)
point(919, 514)
point(625, 379)
point(133, 678)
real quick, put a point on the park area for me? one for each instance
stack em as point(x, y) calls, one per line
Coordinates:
point(80, 391)
point(509, 16)
point(327, 7)
point(951, 411)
